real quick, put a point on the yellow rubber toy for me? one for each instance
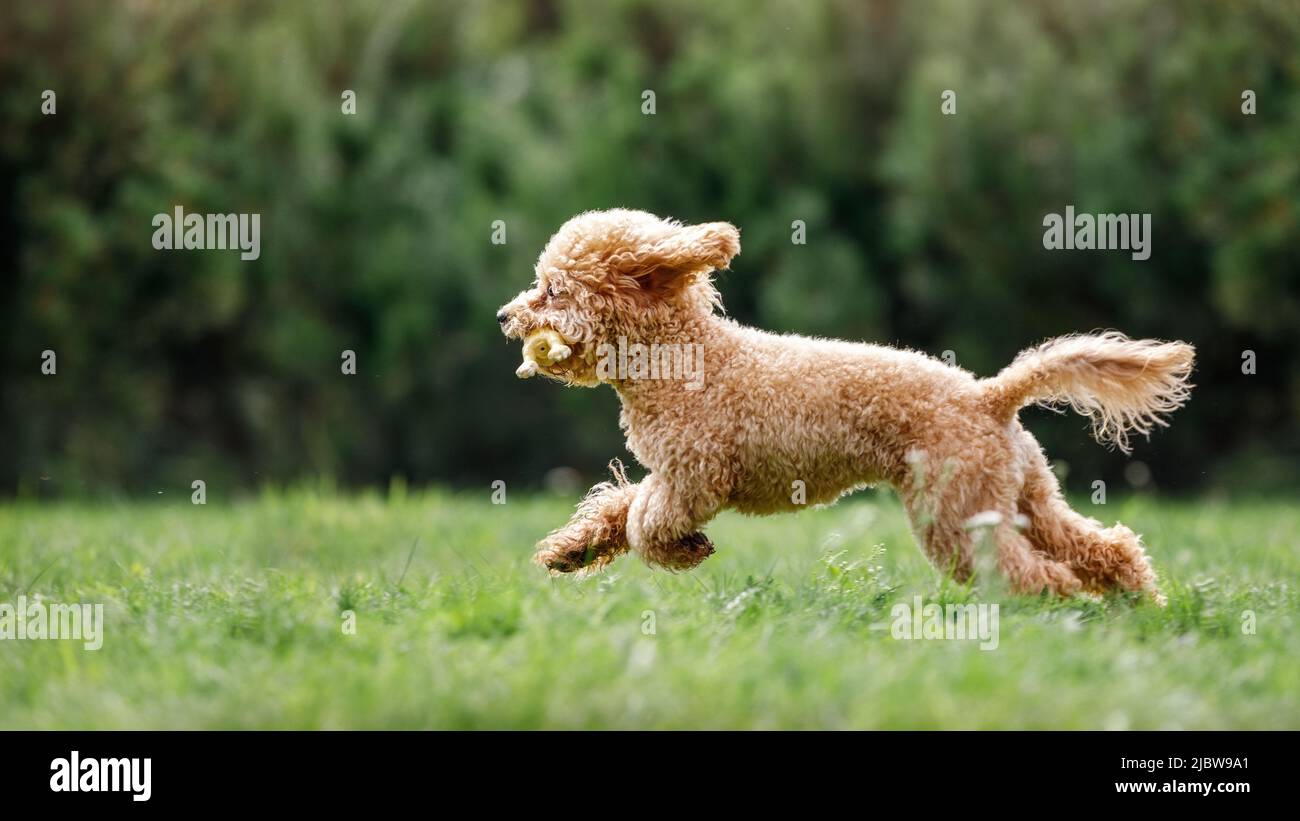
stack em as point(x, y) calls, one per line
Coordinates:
point(541, 348)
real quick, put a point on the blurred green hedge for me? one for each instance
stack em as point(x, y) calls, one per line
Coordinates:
point(923, 229)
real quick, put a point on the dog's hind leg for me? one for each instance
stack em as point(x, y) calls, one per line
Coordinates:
point(951, 543)
point(965, 501)
point(1028, 570)
point(664, 520)
point(1102, 558)
point(947, 548)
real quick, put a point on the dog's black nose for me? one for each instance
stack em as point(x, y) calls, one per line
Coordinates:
point(502, 316)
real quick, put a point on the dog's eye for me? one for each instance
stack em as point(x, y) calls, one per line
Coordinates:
point(550, 292)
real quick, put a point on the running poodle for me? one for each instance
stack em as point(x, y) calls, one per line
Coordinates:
point(780, 421)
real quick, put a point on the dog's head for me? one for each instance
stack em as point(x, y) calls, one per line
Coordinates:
point(607, 274)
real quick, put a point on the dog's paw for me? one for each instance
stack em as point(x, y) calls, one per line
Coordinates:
point(684, 554)
point(560, 555)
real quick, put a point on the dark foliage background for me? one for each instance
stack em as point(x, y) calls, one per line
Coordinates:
point(923, 230)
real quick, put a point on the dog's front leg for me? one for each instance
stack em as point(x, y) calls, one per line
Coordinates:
point(597, 532)
point(664, 520)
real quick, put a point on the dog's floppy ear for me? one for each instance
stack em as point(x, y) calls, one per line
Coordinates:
point(674, 259)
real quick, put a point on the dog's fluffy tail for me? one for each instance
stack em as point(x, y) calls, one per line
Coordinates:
point(1123, 385)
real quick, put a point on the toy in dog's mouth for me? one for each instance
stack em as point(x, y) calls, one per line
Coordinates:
point(550, 354)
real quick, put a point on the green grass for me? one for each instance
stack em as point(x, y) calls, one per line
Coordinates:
point(229, 616)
